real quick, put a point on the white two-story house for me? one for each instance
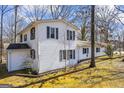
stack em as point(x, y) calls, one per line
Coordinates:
point(51, 44)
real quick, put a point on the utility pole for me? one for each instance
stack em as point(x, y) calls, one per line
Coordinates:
point(92, 64)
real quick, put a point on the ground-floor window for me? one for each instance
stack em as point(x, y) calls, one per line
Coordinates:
point(32, 53)
point(67, 54)
point(97, 49)
point(85, 50)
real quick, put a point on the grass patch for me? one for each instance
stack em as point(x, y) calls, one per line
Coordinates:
point(106, 75)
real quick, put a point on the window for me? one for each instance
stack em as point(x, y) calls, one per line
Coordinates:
point(21, 38)
point(60, 55)
point(52, 32)
point(32, 53)
point(64, 54)
point(67, 54)
point(73, 35)
point(32, 33)
point(25, 37)
point(97, 49)
point(85, 50)
point(70, 35)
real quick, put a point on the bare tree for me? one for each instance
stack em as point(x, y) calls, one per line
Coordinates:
point(16, 11)
point(34, 12)
point(61, 11)
point(3, 10)
point(82, 20)
point(106, 20)
point(92, 64)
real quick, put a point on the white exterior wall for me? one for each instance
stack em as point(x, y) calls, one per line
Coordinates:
point(16, 58)
point(49, 48)
point(32, 43)
point(101, 53)
point(82, 56)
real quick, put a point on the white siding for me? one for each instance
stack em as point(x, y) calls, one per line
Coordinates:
point(32, 44)
point(49, 48)
point(16, 59)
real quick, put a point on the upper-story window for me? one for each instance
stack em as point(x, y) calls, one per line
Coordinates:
point(52, 32)
point(97, 49)
point(85, 50)
point(21, 38)
point(32, 33)
point(25, 37)
point(70, 35)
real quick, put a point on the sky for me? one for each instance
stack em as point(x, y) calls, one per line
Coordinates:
point(9, 17)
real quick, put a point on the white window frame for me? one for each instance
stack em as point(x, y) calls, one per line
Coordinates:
point(68, 56)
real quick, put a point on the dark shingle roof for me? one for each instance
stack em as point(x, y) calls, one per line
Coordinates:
point(18, 46)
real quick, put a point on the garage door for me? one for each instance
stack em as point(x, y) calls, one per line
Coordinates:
point(17, 59)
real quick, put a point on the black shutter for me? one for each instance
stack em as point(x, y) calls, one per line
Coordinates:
point(70, 35)
point(48, 32)
point(73, 54)
point(56, 33)
point(73, 35)
point(33, 54)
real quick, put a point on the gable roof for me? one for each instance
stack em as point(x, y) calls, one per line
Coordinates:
point(18, 46)
point(49, 20)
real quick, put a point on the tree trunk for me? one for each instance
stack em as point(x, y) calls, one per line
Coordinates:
point(1, 38)
point(92, 64)
point(15, 23)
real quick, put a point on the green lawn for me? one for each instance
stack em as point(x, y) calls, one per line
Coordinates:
point(109, 73)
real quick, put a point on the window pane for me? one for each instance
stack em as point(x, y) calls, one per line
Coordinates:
point(32, 53)
point(73, 35)
point(60, 55)
point(87, 50)
point(70, 54)
point(32, 33)
point(52, 33)
point(25, 37)
point(68, 35)
point(64, 54)
point(73, 54)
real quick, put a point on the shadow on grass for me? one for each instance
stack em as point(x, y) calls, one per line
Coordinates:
point(4, 73)
point(104, 78)
point(45, 80)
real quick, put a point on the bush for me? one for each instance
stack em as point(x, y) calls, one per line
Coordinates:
point(28, 65)
point(109, 51)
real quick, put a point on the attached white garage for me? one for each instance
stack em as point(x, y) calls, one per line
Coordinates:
point(17, 54)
